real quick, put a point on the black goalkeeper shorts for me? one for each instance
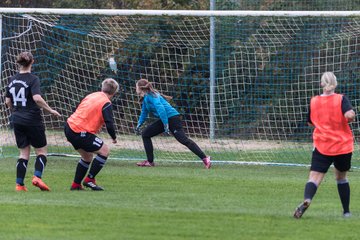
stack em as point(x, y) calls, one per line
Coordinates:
point(321, 162)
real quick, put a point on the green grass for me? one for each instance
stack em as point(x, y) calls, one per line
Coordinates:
point(174, 201)
point(283, 155)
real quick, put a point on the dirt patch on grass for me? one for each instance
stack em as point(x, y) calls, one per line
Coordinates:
point(169, 143)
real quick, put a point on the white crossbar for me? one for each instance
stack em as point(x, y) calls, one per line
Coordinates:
point(201, 13)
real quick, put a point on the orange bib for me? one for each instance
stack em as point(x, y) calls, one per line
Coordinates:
point(332, 134)
point(88, 115)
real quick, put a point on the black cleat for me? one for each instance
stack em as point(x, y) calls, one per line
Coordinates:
point(93, 186)
point(300, 210)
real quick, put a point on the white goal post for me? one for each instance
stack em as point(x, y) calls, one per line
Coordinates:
point(242, 82)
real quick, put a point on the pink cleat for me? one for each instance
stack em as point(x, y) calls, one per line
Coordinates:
point(207, 162)
point(146, 163)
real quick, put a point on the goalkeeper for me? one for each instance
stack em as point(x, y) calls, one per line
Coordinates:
point(80, 129)
point(169, 121)
point(330, 114)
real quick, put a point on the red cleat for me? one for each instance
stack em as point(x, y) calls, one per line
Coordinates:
point(76, 186)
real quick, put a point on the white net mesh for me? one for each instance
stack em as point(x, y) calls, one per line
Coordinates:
point(267, 69)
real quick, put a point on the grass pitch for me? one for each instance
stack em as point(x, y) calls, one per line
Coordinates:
point(174, 201)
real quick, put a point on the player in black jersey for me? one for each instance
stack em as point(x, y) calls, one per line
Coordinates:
point(23, 97)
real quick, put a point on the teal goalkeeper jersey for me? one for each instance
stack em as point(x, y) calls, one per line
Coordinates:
point(159, 108)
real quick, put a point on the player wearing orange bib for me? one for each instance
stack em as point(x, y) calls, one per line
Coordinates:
point(332, 135)
point(88, 116)
point(93, 112)
point(330, 114)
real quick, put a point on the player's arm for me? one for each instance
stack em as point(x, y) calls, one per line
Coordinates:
point(8, 101)
point(309, 122)
point(42, 104)
point(36, 96)
point(143, 115)
point(347, 109)
point(108, 116)
point(350, 115)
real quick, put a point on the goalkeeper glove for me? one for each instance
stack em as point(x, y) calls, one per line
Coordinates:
point(166, 130)
point(138, 130)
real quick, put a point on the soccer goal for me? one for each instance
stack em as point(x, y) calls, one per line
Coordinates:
point(242, 80)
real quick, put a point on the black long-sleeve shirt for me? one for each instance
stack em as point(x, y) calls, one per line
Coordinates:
point(108, 116)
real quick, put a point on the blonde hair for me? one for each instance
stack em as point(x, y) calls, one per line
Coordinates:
point(109, 86)
point(328, 81)
point(147, 87)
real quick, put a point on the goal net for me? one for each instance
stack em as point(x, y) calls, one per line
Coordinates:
point(252, 107)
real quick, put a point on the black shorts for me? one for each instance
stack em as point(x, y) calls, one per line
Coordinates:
point(87, 141)
point(321, 162)
point(30, 135)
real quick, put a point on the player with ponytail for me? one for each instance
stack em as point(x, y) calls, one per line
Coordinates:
point(330, 114)
point(168, 121)
point(24, 98)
